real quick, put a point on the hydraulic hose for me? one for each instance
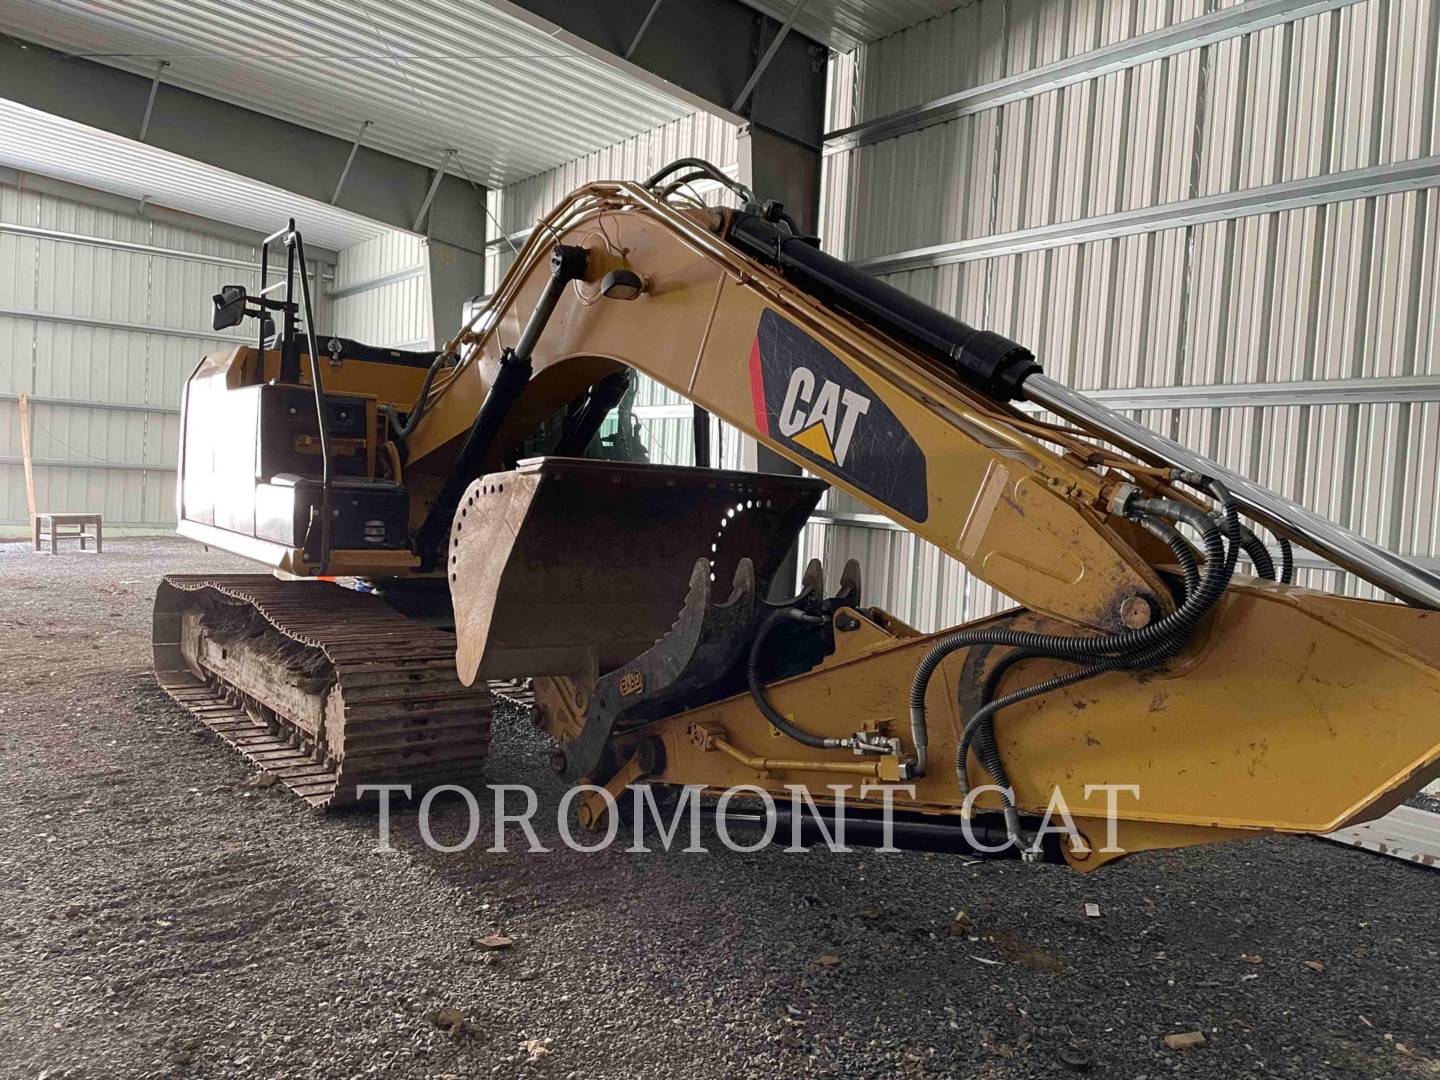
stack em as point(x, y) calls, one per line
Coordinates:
point(707, 170)
point(979, 723)
point(1287, 562)
point(1179, 624)
point(405, 430)
point(1102, 653)
point(980, 726)
point(757, 689)
point(1259, 556)
point(1228, 516)
point(1184, 553)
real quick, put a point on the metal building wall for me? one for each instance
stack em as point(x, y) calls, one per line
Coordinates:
point(381, 293)
point(665, 416)
point(102, 317)
point(1222, 217)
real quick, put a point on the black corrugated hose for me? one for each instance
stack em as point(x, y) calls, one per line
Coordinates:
point(1127, 650)
point(1259, 555)
point(981, 724)
point(1287, 562)
point(757, 689)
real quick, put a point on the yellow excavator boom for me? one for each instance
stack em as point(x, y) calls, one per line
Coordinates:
point(1143, 684)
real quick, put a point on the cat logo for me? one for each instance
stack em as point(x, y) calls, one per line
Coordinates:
point(809, 401)
point(823, 423)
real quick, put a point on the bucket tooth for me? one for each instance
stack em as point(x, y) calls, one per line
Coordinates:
point(704, 644)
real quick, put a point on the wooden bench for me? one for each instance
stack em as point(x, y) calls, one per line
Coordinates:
point(56, 527)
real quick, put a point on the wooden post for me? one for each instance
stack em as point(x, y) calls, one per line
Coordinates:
point(25, 452)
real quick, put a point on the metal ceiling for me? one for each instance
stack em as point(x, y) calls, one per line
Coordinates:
point(428, 74)
point(848, 24)
point(38, 142)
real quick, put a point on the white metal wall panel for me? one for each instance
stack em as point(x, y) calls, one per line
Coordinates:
point(395, 315)
point(48, 145)
point(845, 24)
point(102, 339)
point(696, 135)
point(386, 254)
point(984, 41)
point(1346, 290)
point(384, 296)
point(511, 98)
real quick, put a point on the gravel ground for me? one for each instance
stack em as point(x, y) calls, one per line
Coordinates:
point(159, 917)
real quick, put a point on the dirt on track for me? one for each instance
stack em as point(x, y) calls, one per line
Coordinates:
point(161, 917)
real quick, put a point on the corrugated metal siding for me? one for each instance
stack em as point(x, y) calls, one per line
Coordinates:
point(89, 457)
point(1347, 290)
point(845, 24)
point(52, 146)
point(395, 313)
point(512, 99)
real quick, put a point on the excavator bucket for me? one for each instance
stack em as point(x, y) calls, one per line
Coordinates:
point(568, 566)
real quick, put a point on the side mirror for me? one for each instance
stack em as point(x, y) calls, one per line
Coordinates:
point(229, 307)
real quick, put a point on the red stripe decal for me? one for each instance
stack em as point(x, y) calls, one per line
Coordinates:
point(757, 388)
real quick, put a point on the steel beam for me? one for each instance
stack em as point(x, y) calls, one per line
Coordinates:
point(455, 276)
point(1269, 199)
point(105, 200)
point(114, 324)
point(403, 274)
point(703, 51)
point(83, 240)
point(644, 25)
point(775, 167)
point(765, 59)
point(1376, 391)
point(379, 186)
point(160, 66)
point(109, 406)
point(434, 186)
point(365, 126)
point(56, 463)
point(1231, 22)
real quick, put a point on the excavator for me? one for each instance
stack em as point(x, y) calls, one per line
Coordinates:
point(435, 525)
